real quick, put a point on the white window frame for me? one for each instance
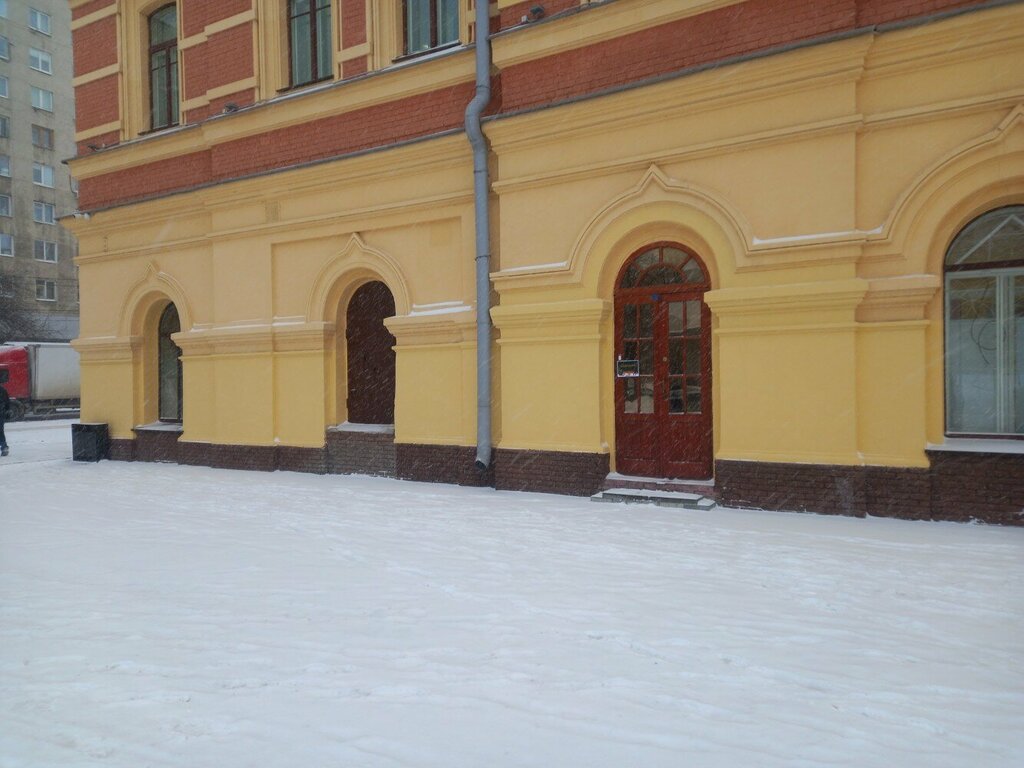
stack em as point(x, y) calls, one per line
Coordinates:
point(6, 206)
point(41, 254)
point(6, 244)
point(49, 132)
point(44, 100)
point(40, 61)
point(5, 165)
point(5, 48)
point(39, 211)
point(4, 87)
point(43, 175)
point(46, 285)
point(39, 21)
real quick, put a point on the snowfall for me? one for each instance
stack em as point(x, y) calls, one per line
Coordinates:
point(160, 615)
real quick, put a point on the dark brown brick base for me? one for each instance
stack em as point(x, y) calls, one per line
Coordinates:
point(122, 449)
point(985, 486)
point(455, 464)
point(958, 486)
point(575, 474)
point(359, 453)
point(156, 445)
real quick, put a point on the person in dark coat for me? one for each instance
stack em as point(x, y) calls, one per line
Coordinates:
point(5, 404)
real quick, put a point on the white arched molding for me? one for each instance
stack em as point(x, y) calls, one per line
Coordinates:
point(154, 287)
point(984, 173)
point(655, 208)
point(355, 264)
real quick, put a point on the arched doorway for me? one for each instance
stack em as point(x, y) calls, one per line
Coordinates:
point(371, 357)
point(663, 425)
point(169, 366)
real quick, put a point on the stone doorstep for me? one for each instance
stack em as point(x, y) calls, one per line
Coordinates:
point(658, 498)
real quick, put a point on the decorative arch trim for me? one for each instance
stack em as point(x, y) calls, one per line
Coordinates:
point(356, 263)
point(154, 286)
point(981, 174)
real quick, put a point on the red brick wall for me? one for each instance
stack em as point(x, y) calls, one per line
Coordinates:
point(96, 103)
point(85, 10)
point(95, 45)
point(226, 57)
point(512, 16)
point(726, 32)
point(381, 124)
point(353, 22)
point(197, 14)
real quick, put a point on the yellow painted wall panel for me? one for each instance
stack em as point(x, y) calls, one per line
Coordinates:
point(430, 404)
point(788, 396)
point(107, 396)
point(891, 394)
point(299, 416)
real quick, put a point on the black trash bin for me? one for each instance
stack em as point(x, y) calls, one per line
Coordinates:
point(90, 442)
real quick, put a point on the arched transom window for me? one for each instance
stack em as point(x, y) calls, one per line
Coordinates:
point(985, 326)
point(663, 265)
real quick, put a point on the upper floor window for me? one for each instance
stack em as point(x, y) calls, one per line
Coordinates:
point(3, 9)
point(39, 21)
point(430, 24)
point(44, 213)
point(40, 61)
point(44, 250)
point(6, 245)
point(42, 99)
point(5, 165)
point(163, 67)
point(5, 127)
point(42, 137)
point(3, 86)
point(5, 205)
point(46, 290)
point(309, 36)
point(985, 326)
point(42, 174)
point(5, 48)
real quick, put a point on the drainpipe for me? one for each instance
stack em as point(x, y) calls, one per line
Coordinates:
point(481, 190)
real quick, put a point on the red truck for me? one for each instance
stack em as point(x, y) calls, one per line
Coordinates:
point(42, 378)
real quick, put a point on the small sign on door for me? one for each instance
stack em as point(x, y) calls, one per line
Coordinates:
point(627, 369)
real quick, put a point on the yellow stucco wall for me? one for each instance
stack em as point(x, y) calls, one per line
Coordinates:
point(820, 186)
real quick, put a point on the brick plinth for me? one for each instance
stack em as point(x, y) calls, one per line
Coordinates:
point(360, 453)
point(574, 474)
point(440, 464)
point(156, 445)
point(122, 449)
point(818, 488)
point(259, 458)
point(983, 486)
point(958, 486)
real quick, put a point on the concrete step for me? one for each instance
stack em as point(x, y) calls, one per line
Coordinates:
point(660, 498)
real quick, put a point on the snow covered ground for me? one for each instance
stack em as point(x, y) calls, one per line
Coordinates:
point(157, 615)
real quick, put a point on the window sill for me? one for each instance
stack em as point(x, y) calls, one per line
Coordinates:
point(430, 51)
point(1011, 445)
point(301, 86)
point(159, 426)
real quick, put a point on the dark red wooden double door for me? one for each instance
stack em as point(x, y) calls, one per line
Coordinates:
point(663, 425)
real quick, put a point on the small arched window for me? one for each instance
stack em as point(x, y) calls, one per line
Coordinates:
point(309, 39)
point(169, 365)
point(163, 67)
point(984, 290)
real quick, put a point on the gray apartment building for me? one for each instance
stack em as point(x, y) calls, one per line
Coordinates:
point(38, 277)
